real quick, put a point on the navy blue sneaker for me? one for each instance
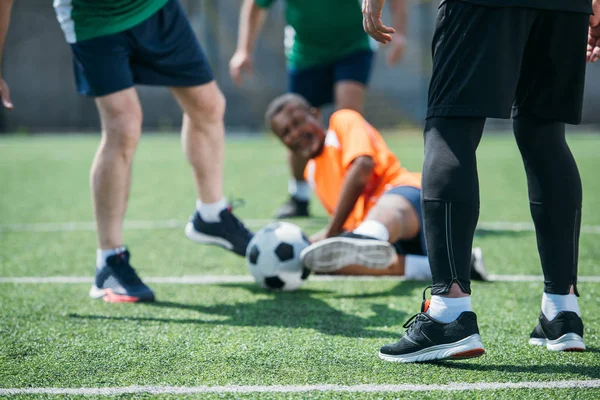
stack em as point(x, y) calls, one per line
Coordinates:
point(229, 233)
point(349, 248)
point(427, 339)
point(563, 333)
point(293, 208)
point(117, 282)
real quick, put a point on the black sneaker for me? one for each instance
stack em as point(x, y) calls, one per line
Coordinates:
point(229, 233)
point(563, 333)
point(293, 208)
point(478, 270)
point(427, 339)
point(349, 248)
point(117, 282)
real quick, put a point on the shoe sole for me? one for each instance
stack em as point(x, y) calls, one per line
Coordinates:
point(567, 342)
point(201, 238)
point(335, 253)
point(469, 347)
point(479, 265)
point(111, 297)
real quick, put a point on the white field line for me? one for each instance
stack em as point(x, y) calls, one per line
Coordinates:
point(254, 223)
point(451, 387)
point(220, 279)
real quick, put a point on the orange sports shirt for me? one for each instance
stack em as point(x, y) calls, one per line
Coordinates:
point(350, 136)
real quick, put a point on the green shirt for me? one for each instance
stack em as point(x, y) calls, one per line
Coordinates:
point(320, 31)
point(87, 19)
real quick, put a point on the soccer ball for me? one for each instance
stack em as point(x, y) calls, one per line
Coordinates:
point(273, 256)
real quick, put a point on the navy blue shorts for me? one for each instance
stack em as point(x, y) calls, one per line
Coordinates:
point(163, 51)
point(415, 245)
point(316, 84)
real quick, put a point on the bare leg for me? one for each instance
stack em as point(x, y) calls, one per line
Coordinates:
point(397, 215)
point(203, 136)
point(110, 177)
point(350, 95)
point(395, 269)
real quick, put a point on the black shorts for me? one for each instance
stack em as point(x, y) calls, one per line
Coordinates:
point(415, 245)
point(161, 51)
point(487, 59)
point(317, 83)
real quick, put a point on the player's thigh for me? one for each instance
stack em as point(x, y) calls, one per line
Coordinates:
point(101, 65)
point(351, 77)
point(166, 51)
point(552, 78)
point(477, 53)
point(314, 83)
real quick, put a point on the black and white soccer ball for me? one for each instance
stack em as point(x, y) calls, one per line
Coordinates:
point(273, 256)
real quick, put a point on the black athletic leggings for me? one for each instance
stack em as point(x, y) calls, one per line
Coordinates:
point(451, 198)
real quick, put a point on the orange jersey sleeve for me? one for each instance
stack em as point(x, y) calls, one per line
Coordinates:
point(354, 134)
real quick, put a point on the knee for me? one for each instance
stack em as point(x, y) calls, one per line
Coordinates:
point(450, 166)
point(122, 131)
point(208, 106)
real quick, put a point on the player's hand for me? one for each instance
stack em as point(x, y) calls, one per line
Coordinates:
point(372, 24)
point(396, 50)
point(593, 47)
point(240, 63)
point(5, 95)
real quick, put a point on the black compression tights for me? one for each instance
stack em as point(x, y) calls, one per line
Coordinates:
point(451, 198)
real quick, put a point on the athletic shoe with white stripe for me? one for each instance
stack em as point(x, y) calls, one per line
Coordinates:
point(349, 248)
point(229, 233)
point(563, 333)
point(427, 339)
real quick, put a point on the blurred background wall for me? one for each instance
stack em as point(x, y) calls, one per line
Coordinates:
point(38, 68)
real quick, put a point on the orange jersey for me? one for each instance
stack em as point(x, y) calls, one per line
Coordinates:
point(351, 136)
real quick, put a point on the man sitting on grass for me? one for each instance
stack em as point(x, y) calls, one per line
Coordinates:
point(374, 203)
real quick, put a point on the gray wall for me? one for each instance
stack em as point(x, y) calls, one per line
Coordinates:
point(37, 65)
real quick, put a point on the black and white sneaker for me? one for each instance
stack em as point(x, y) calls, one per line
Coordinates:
point(229, 233)
point(117, 282)
point(427, 339)
point(293, 208)
point(478, 270)
point(563, 333)
point(349, 248)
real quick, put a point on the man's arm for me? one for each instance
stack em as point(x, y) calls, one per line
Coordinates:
point(399, 12)
point(593, 48)
point(252, 20)
point(357, 178)
point(5, 7)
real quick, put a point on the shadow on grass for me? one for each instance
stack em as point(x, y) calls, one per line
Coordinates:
point(402, 289)
point(591, 371)
point(295, 310)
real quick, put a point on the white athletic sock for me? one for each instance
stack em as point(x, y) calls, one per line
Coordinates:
point(299, 189)
point(552, 304)
point(446, 309)
point(417, 268)
point(374, 229)
point(210, 211)
point(102, 255)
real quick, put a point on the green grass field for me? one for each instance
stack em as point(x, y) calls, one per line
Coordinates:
point(225, 335)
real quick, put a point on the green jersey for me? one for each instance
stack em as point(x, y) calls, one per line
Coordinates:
point(87, 19)
point(320, 31)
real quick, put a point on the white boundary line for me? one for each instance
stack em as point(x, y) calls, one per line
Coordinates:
point(220, 279)
point(82, 226)
point(570, 384)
